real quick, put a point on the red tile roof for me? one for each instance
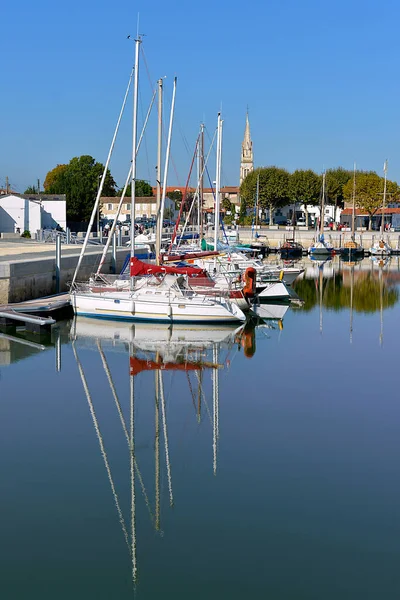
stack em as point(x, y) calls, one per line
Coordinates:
point(363, 213)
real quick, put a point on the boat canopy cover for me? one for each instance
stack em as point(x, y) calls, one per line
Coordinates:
point(139, 267)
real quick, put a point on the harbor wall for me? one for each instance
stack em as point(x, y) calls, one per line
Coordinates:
point(275, 237)
point(36, 277)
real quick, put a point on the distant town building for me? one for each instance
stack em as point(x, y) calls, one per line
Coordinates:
point(32, 212)
point(247, 158)
point(145, 207)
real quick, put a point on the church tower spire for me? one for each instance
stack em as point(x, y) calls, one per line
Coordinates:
point(247, 160)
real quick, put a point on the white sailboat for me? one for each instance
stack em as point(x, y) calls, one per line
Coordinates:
point(351, 249)
point(321, 247)
point(166, 298)
point(380, 247)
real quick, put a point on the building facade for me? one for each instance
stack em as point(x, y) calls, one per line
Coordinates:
point(145, 207)
point(32, 212)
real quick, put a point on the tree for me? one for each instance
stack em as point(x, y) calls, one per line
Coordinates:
point(273, 188)
point(79, 180)
point(142, 189)
point(54, 176)
point(369, 192)
point(176, 196)
point(31, 190)
point(305, 187)
point(336, 179)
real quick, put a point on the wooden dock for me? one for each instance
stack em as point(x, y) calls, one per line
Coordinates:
point(36, 315)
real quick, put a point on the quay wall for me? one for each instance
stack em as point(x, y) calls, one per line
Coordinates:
point(33, 278)
point(275, 237)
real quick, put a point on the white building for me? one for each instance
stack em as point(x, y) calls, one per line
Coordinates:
point(31, 212)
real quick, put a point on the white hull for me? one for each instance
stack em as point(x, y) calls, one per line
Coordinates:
point(289, 274)
point(155, 304)
point(271, 311)
point(275, 290)
point(380, 248)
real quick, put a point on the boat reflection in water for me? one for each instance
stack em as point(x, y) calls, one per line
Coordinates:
point(158, 348)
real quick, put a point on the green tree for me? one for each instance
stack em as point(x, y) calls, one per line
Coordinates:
point(54, 177)
point(31, 190)
point(369, 192)
point(336, 179)
point(79, 180)
point(176, 196)
point(142, 189)
point(305, 187)
point(273, 188)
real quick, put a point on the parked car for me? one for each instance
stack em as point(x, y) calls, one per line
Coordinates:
point(280, 220)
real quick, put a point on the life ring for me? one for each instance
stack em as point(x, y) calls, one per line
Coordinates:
point(249, 279)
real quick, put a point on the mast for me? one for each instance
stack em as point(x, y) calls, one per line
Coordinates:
point(218, 181)
point(257, 198)
point(158, 169)
point(138, 41)
point(164, 186)
point(322, 215)
point(353, 217)
point(201, 182)
point(384, 197)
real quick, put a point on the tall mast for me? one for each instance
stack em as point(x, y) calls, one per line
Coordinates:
point(257, 198)
point(138, 41)
point(353, 218)
point(201, 182)
point(384, 197)
point(167, 154)
point(322, 215)
point(218, 181)
point(159, 143)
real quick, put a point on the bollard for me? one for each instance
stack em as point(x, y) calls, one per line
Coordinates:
point(58, 262)
point(120, 237)
point(68, 236)
point(114, 254)
point(101, 234)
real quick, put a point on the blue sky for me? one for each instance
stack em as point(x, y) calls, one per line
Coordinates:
point(320, 79)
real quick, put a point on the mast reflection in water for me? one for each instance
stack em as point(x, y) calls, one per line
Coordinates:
point(160, 349)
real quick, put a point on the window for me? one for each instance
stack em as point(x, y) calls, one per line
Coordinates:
point(128, 207)
point(109, 206)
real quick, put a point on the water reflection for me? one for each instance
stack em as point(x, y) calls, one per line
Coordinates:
point(187, 352)
point(366, 287)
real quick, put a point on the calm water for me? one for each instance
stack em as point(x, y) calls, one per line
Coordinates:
point(276, 475)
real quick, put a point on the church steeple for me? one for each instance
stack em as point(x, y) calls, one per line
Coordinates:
point(247, 161)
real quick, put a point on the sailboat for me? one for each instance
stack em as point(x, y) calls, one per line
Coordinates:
point(165, 297)
point(290, 248)
point(321, 247)
point(380, 247)
point(351, 250)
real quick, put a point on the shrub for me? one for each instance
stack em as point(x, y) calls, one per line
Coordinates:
point(26, 234)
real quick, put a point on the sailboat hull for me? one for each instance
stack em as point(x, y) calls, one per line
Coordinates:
point(127, 307)
point(275, 290)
